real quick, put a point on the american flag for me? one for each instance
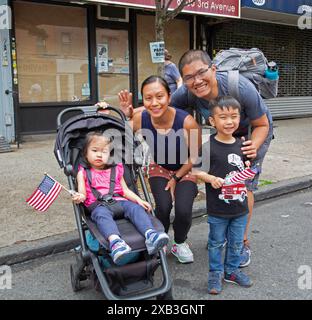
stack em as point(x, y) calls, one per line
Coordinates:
point(45, 194)
point(243, 175)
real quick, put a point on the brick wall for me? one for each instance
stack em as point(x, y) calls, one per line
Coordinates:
point(289, 46)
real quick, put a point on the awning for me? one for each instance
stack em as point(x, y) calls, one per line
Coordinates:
point(281, 6)
point(222, 8)
point(269, 16)
point(278, 11)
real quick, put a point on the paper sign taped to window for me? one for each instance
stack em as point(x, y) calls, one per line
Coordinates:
point(157, 51)
point(102, 57)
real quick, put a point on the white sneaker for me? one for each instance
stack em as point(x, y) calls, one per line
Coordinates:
point(182, 252)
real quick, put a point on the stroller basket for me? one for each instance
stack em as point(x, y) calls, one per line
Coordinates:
point(133, 281)
point(134, 277)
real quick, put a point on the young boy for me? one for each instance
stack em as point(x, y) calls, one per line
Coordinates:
point(226, 195)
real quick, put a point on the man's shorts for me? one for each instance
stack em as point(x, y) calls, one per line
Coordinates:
point(252, 185)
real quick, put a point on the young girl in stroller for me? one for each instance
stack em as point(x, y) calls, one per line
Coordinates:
point(96, 153)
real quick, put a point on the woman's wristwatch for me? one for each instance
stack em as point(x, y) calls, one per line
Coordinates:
point(177, 179)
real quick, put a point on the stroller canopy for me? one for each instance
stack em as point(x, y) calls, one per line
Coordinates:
point(71, 135)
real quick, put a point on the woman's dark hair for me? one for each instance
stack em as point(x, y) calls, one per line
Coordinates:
point(152, 79)
point(224, 102)
point(194, 55)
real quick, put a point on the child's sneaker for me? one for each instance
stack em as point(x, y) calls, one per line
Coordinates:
point(118, 249)
point(214, 282)
point(165, 249)
point(245, 256)
point(182, 252)
point(239, 278)
point(155, 241)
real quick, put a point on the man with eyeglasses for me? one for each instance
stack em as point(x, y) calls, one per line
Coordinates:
point(202, 84)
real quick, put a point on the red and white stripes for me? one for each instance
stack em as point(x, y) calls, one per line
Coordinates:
point(243, 175)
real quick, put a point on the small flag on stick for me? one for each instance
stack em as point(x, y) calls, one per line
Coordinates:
point(243, 175)
point(45, 194)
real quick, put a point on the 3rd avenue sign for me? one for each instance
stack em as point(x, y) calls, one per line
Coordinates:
point(226, 8)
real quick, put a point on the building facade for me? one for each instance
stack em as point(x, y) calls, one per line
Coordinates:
point(58, 54)
point(283, 31)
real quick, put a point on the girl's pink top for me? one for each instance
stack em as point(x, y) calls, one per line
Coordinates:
point(101, 182)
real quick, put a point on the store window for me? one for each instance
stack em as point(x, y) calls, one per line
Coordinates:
point(112, 63)
point(52, 53)
point(177, 41)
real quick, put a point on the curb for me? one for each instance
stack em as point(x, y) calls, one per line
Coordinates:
point(64, 242)
point(19, 253)
point(283, 187)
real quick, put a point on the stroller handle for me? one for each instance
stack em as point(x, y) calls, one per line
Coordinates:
point(90, 110)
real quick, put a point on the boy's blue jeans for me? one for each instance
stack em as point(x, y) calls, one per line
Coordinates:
point(222, 229)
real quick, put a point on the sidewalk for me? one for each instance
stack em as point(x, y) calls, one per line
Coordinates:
point(25, 233)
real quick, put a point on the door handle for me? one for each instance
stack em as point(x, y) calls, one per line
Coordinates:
point(7, 91)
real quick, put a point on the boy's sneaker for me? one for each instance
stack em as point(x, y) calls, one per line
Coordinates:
point(245, 256)
point(214, 282)
point(182, 252)
point(239, 278)
point(118, 249)
point(155, 241)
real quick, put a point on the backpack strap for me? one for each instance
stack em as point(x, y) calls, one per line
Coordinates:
point(233, 87)
point(106, 200)
point(233, 83)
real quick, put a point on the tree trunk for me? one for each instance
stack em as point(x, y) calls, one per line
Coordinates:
point(163, 15)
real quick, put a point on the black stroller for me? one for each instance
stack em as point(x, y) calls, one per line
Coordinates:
point(135, 280)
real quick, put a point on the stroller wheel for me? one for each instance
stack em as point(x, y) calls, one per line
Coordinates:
point(166, 296)
point(74, 276)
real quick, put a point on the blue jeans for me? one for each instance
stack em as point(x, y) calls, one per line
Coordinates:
point(222, 229)
point(103, 218)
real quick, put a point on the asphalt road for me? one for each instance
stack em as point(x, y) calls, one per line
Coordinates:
point(281, 261)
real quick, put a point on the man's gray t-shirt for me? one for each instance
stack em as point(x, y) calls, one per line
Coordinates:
point(253, 106)
point(171, 76)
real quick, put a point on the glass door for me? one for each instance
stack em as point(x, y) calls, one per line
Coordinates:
point(112, 63)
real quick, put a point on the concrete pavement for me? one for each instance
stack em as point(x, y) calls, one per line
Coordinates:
point(26, 234)
point(280, 267)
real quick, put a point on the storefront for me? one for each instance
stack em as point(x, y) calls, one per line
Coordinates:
point(57, 54)
point(68, 53)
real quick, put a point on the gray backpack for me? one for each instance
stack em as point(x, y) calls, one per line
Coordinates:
point(253, 65)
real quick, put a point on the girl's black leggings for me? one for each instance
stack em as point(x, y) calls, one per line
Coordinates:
point(185, 194)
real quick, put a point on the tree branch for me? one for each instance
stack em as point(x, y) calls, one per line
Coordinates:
point(158, 5)
point(172, 14)
point(168, 5)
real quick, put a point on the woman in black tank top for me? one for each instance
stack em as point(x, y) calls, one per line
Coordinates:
point(169, 174)
point(166, 131)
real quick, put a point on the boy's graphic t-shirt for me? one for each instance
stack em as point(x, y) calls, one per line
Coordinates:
point(226, 161)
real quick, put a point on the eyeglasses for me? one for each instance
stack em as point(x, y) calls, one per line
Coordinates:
point(200, 74)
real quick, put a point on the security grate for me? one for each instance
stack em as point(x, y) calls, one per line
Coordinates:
point(290, 107)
